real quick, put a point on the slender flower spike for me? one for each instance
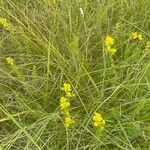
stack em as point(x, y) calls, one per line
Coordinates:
point(64, 103)
point(136, 36)
point(66, 87)
point(10, 61)
point(68, 121)
point(98, 120)
point(109, 41)
point(4, 24)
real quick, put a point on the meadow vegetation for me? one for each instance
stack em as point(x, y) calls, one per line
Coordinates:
point(74, 75)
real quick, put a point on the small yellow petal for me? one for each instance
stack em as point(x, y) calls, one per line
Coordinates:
point(109, 41)
point(98, 120)
point(4, 24)
point(10, 61)
point(140, 37)
point(69, 121)
point(136, 36)
point(64, 103)
point(66, 87)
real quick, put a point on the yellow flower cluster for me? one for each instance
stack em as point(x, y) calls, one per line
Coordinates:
point(68, 121)
point(109, 42)
point(10, 61)
point(67, 89)
point(65, 104)
point(111, 51)
point(98, 120)
point(4, 24)
point(136, 36)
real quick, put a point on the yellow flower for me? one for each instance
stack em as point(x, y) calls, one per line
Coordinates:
point(64, 103)
point(10, 61)
point(67, 113)
point(68, 121)
point(69, 94)
point(111, 51)
point(140, 37)
point(136, 36)
point(66, 87)
point(98, 120)
point(109, 41)
point(4, 23)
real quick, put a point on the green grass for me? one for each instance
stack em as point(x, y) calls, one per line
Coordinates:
point(53, 44)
